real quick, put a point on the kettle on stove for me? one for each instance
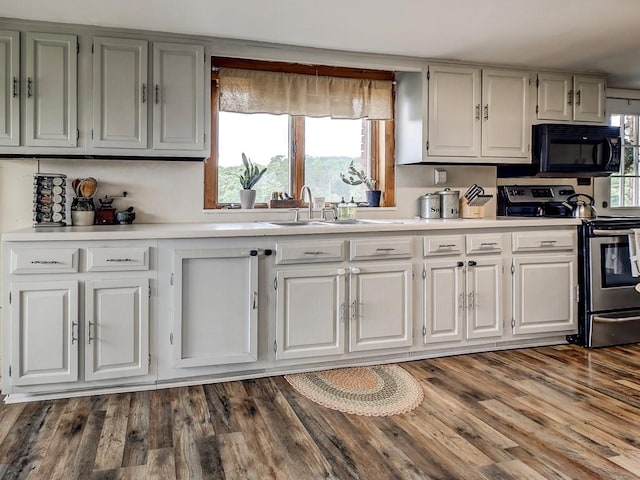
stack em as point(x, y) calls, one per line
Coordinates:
point(581, 208)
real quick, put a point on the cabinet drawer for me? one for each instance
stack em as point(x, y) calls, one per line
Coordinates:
point(443, 245)
point(364, 249)
point(44, 260)
point(106, 259)
point(543, 241)
point(309, 252)
point(485, 243)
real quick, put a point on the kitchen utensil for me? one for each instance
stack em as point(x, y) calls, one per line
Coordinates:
point(449, 203)
point(127, 217)
point(479, 200)
point(581, 208)
point(473, 191)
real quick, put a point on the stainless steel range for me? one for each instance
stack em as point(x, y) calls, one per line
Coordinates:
point(609, 305)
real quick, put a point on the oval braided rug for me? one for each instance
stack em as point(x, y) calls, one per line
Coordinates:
point(376, 391)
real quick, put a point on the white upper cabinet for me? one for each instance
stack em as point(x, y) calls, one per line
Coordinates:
point(120, 93)
point(506, 129)
point(564, 97)
point(50, 85)
point(9, 88)
point(469, 115)
point(178, 96)
point(454, 111)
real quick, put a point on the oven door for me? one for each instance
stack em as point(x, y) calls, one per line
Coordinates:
point(612, 285)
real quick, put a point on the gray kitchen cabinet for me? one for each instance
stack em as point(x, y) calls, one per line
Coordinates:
point(120, 93)
point(49, 90)
point(545, 283)
point(43, 333)
point(116, 328)
point(463, 114)
point(9, 88)
point(566, 97)
point(178, 96)
point(215, 306)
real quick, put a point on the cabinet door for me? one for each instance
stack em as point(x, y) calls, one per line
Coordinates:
point(51, 90)
point(544, 289)
point(454, 111)
point(44, 332)
point(444, 300)
point(555, 96)
point(215, 307)
point(116, 331)
point(484, 297)
point(310, 310)
point(380, 313)
point(9, 88)
point(505, 113)
point(178, 96)
point(590, 99)
point(120, 93)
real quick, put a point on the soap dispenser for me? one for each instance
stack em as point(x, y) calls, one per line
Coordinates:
point(352, 209)
point(343, 210)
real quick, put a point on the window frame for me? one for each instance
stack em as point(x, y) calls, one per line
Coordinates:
point(381, 141)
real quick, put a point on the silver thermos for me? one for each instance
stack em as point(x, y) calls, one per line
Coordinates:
point(449, 203)
point(430, 205)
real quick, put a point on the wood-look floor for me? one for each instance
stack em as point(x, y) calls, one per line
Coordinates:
point(546, 413)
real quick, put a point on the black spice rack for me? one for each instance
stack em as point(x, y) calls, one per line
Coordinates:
point(49, 199)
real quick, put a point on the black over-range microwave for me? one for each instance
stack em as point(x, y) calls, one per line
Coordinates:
point(561, 150)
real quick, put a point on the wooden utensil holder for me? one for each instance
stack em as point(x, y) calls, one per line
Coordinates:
point(467, 211)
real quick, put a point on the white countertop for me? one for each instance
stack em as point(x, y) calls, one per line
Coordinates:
point(262, 228)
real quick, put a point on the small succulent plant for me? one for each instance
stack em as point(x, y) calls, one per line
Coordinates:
point(252, 173)
point(357, 177)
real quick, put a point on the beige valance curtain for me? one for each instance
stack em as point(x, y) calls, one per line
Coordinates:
point(252, 91)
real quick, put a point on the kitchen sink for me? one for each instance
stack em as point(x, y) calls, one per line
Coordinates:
point(299, 223)
point(349, 221)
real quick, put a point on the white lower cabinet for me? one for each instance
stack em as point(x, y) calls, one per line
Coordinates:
point(44, 332)
point(544, 293)
point(116, 328)
point(215, 306)
point(318, 306)
point(462, 287)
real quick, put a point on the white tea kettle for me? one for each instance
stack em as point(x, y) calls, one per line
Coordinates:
point(581, 208)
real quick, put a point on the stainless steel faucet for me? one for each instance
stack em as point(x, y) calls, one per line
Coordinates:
point(305, 188)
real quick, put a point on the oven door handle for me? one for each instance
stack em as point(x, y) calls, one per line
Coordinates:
point(610, 233)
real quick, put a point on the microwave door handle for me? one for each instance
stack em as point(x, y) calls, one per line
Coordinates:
point(610, 147)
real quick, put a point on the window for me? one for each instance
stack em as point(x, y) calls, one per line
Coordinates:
point(625, 186)
point(296, 149)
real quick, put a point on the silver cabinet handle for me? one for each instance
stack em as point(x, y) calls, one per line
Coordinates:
point(486, 112)
point(254, 304)
point(343, 307)
point(89, 337)
point(74, 332)
point(157, 92)
point(488, 244)
point(29, 87)
point(461, 299)
point(544, 243)
point(387, 249)
point(471, 298)
point(119, 260)
point(448, 245)
point(478, 112)
point(144, 93)
point(45, 262)
point(578, 98)
point(570, 97)
point(315, 252)
point(15, 87)
point(354, 309)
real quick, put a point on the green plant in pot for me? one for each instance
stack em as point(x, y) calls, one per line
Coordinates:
point(252, 173)
point(359, 177)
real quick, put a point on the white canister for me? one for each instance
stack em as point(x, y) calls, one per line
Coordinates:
point(449, 203)
point(430, 205)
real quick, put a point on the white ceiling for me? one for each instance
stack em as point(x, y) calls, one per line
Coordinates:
point(593, 35)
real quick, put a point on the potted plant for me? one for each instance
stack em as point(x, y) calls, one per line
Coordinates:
point(359, 177)
point(252, 173)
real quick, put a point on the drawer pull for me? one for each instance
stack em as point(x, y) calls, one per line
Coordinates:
point(74, 332)
point(45, 262)
point(254, 304)
point(120, 260)
point(91, 324)
point(546, 243)
point(488, 244)
point(386, 249)
point(448, 245)
point(317, 252)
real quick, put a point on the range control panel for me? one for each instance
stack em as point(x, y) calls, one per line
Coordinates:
point(536, 193)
